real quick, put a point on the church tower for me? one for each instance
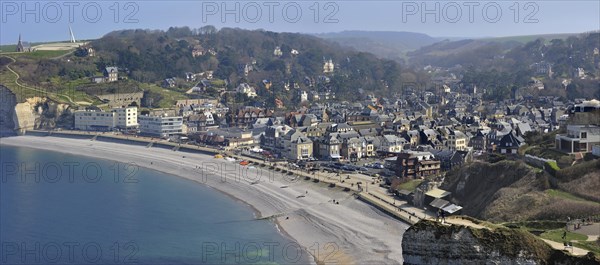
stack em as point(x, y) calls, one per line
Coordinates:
point(20, 45)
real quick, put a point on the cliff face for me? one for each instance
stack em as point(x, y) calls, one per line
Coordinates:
point(42, 114)
point(479, 185)
point(8, 101)
point(511, 191)
point(34, 113)
point(432, 243)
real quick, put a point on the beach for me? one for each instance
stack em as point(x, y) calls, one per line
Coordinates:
point(347, 232)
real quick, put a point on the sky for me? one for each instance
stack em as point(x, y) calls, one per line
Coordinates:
point(40, 21)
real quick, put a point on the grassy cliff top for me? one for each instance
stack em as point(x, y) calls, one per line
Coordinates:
point(507, 241)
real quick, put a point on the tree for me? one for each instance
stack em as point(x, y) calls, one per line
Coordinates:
point(208, 29)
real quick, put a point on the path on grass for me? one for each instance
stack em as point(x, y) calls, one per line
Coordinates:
point(16, 81)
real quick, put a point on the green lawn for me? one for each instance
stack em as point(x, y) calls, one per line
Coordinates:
point(537, 225)
point(565, 195)
point(553, 165)
point(579, 239)
point(13, 47)
point(410, 185)
point(42, 54)
point(547, 152)
point(8, 78)
point(556, 235)
point(169, 97)
point(589, 245)
point(8, 48)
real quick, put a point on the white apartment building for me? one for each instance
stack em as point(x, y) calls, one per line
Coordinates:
point(94, 120)
point(127, 118)
point(160, 126)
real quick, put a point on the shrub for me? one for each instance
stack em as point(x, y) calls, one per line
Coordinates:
point(551, 167)
point(495, 158)
point(578, 171)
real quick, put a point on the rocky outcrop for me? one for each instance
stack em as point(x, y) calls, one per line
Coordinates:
point(509, 191)
point(8, 101)
point(433, 243)
point(35, 113)
point(24, 117)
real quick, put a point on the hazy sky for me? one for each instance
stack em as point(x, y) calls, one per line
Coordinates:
point(49, 20)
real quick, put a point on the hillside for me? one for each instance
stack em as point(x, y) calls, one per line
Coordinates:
point(510, 51)
point(530, 38)
point(430, 242)
point(509, 66)
point(511, 191)
point(150, 56)
point(582, 180)
point(384, 44)
point(168, 54)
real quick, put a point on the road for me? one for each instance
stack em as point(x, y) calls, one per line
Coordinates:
point(32, 88)
point(573, 250)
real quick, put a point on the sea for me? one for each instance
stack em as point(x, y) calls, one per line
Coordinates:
point(58, 208)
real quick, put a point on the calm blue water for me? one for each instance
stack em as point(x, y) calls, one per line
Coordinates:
point(66, 209)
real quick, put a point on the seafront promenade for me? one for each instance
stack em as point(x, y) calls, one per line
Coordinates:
point(371, 194)
point(368, 192)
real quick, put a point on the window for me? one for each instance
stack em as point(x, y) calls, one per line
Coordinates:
point(304, 151)
point(583, 135)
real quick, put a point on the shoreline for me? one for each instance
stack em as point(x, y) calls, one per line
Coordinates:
point(357, 232)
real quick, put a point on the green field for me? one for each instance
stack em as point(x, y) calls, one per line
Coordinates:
point(556, 235)
point(22, 92)
point(565, 195)
point(42, 54)
point(410, 185)
point(8, 48)
point(578, 240)
point(13, 47)
point(169, 97)
point(589, 245)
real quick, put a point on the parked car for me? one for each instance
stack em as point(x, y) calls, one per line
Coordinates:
point(348, 168)
point(378, 165)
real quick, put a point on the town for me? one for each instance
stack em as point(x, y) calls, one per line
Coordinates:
point(413, 139)
point(405, 139)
